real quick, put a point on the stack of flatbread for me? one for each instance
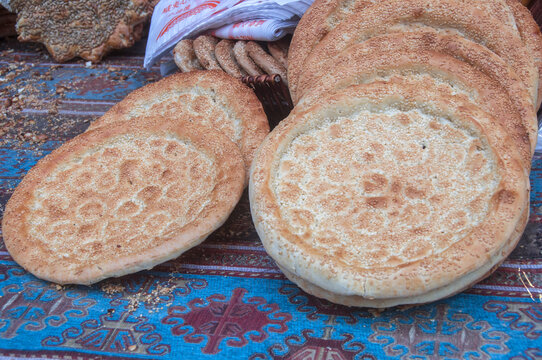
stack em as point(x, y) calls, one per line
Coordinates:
point(401, 175)
point(149, 180)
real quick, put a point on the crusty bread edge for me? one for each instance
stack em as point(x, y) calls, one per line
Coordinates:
point(226, 194)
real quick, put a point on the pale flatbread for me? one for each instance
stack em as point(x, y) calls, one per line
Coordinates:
point(386, 190)
point(122, 198)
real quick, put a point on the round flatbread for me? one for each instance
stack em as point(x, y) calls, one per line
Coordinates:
point(120, 199)
point(386, 190)
point(468, 68)
point(446, 16)
point(319, 19)
point(211, 98)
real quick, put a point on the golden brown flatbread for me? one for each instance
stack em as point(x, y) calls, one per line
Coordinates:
point(468, 68)
point(207, 97)
point(467, 19)
point(388, 190)
point(88, 29)
point(122, 198)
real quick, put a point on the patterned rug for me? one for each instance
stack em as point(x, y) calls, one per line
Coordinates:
point(225, 298)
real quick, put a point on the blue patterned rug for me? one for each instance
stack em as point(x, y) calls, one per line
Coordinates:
point(225, 298)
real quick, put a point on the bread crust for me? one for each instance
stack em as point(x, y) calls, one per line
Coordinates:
point(447, 16)
point(204, 47)
point(469, 67)
point(51, 241)
point(265, 61)
point(75, 30)
point(185, 56)
point(319, 19)
point(531, 37)
point(209, 97)
point(452, 289)
point(241, 55)
point(344, 272)
point(226, 59)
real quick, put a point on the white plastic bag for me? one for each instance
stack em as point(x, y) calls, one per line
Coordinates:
point(174, 20)
point(262, 30)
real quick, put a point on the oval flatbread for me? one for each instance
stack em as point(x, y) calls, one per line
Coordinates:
point(388, 191)
point(211, 98)
point(122, 198)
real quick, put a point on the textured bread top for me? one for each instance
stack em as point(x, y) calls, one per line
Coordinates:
point(529, 32)
point(210, 98)
point(446, 16)
point(449, 290)
point(120, 199)
point(469, 68)
point(324, 15)
point(319, 19)
point(88, 29)
point(386, 190)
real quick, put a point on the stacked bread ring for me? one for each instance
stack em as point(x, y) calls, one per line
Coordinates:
point(402, 174)
point(236, 57)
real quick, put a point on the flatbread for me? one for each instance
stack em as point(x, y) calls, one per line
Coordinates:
point(319, 19)
point(209, 98)
point(454, 288)
point(386, 190)
point(446, 16)
point(88, 29)
point(531, 37)
point(469, 68)
point(122, 198)
point(324, 15)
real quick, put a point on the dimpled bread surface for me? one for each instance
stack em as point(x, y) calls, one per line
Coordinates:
point(453, 288)
point(211, 98)
point(446, 16)
point(351, 195)
point(122, 198)
point(483, 77)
